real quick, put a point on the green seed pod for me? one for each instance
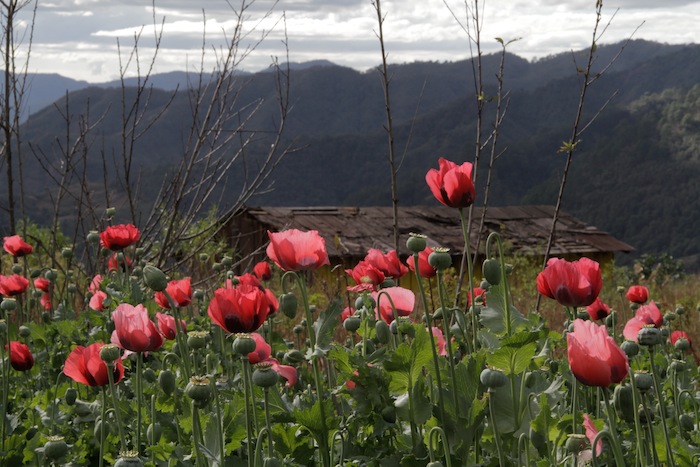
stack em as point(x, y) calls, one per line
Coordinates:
point(67, 253)
point(492, 378)
point(623, 399)
point(389, 414)
point(670, 316)
point(55, 448)
point(93, 237)
point(484, 284)
point(129, 459)
point(434, 464)
point(288, 305)
point(70, 396)
point(491, 269)
point(17, 268)
point(631, 348)
point(227, 261)
point(382, 331)
point(679, 310)
point(51, 275)
point(352, 323)
point(687, 422)
point(682, 344)
point(298, 329)
point(31, 433)
point(649, 336)
point(576, 443)
point(416, 242)
point(149, 375)
point(271, 462)
point(646, 416)
point(197, 339)
point(264, 376)
point(166, 381)
point(8, 304)
point(199, 390)
point(440, 259)
point(216, 267)
point(24, 331)
point(109, 353)
point(643, 380)
point(388, 282)
point(244, 344)
point(153, 433)
point(293, 357)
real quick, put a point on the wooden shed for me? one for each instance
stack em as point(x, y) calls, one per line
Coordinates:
point(351, 231)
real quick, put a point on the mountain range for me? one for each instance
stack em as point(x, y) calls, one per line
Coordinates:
point(634, 174)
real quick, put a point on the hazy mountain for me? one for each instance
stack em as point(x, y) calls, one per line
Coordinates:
point(633, 174)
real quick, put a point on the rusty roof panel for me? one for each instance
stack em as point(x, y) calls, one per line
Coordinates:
point(353, 230)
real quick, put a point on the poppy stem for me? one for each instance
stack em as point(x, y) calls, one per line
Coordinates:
point(662, 407)
point(180, 336)
point(103, 422)
point(115, 401)
point(248, 392)
point(614, 434)
point(139, 400)
point(446, 318)
point(470, 272)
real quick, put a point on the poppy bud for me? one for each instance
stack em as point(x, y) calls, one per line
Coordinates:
point(623, 399)
point(166, 381)
point(679, 310)
point(67, 253)
point(382, 331)
point(153, 433)
point(149, 375)
point(155, 278)
point(198, 294)
point(687, 423)
point(288, 305)
point(492, 379)
point(293, 356)
point(491, 269)
point(416, 242)
point(298, 329)
point(55, 448)
point(51, 275)
point(227, 261)
point(17, 268)
point(71, 396)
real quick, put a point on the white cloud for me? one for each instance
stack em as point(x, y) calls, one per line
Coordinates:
point(84, 33)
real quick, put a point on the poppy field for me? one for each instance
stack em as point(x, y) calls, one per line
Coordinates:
point(135, 367)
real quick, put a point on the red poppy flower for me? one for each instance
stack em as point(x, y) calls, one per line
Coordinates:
point(241, 309)
point(294, 250)
point(591, 433)
point(478, 292)
point(97, 301)
point(246, 279)
point(118, 237)
point(166, 324)
point(424, 268)
point(366, 276)
point(638, 294)
point(388, 263)
point(403, 299)
point(262, 351)
point(114, 263)
point(95, 283)
point(17, 247)
point(598, 310)
point(287, 372)
point(677, 334)
point(439, 340)
point(452, 184)
point(45, 301)
point(262, 271)
point(134, 330)
point(13, 285)
point(594, 357)
point(644, 316)
point(41, 283)
point(180, 290)
point(21, 358)
point(572, 284)
point(85, 366)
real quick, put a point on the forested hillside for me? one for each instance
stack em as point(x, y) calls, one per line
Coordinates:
point(634, 173)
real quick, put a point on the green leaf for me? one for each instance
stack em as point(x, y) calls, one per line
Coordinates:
point(406, 363)
point(493, 316)
point(326, 325)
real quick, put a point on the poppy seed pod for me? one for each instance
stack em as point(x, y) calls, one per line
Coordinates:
point(416, 242)
point(682, 344)
point(440, 259)
point(199, 390)
point(649, 336)
point(492, 379)
point(631, 348)
point(128, 459)
point(352, 323)
point(55, 448)
point(244, 344)
point(643, 380)
point(264, 376)
point(109, 353)
point(576, 443)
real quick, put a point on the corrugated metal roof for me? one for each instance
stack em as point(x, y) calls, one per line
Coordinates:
point(351, 231)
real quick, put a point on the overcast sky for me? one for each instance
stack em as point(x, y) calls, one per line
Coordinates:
point(78, 38)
